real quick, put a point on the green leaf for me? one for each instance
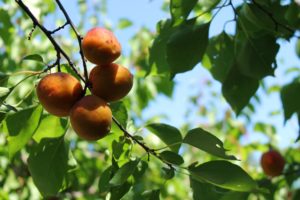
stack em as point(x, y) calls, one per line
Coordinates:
point(34, 57)
point(124, 172)
point(225, 175)
point(238, 89)
point(290, 99)
point(2, 116)
point(151, 195)
point(235, 195)
point(3, 93)
point(172, 157)
point(124, 23)
point(169, 173)
point(67, 69)
point(219, 56)
point(20, 127)
point(180, 9)
point(120, 112)
point(118, 192)
point(50, 127)
point(6, 27)
point(292, 15)
point(48, 165)
point(3, 79)
point(103, 184)
point(203, 190)
point(186, 46)
point(170, 135)
point(298, 48)
point(255, 56)
point(207, 142)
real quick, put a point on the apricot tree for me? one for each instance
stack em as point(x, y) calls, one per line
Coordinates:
point(67, 79)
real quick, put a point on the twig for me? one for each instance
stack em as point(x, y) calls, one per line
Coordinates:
point(59, 28)
point(49, 36)
point(79, 38)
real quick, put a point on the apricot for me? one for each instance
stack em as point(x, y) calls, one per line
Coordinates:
point(58, 92)
point(272, 163)
point(100, 46)
point(91, 118)
point(110, 82)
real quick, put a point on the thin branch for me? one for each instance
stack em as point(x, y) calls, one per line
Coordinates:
point(79, 38)
point(49, 36)
point(31, 32)
point(59, 28)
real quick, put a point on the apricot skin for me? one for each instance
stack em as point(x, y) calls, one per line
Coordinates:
point(100, 46)
point(111, 82)
point(91, 118)
point(58, 92)
point(272, 163)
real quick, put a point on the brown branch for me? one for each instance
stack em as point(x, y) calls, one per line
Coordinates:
point(49, 36)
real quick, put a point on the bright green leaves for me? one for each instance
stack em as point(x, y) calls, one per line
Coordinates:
point(5, 27)
point(34, 57)
point(48, 165)
point(21, 126)
point(207, 142)
point(50, 127)
point(223, 174)
point(178, 48)
point(180, 9)
point(290, 98)
point(170, 135)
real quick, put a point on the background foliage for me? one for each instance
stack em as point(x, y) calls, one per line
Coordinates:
point(41, 156)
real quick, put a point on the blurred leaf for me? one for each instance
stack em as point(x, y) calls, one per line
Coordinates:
point(20, 127)
point(67, 69)
point(151, 195)
point(298, 48)
point(225, 175)
point(219, 56)
point(172, 157)
point(50, 127)
point(292, 15)
point(169, 173)
point(186, 46)
point(103, 184)
point(170, 135)
point(118, 192)
point(34, 57)
point(124, 172)
point(238, 89)
point(207, 142)
point(2, 116)
point(290, 99)
point(120, 112)
point(124, 23)
point(4, 93)
point(3, 79)
point(235, 195)
point(48, 165)
point(202, 190)
point(5, 27)
point(180, 9)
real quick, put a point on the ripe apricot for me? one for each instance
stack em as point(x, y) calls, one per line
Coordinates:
point(110, 82)
point(272, 163)
point(100, 46)
point(58, 92)
point(91, 118)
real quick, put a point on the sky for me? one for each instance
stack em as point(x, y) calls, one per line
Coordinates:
point(148, 13)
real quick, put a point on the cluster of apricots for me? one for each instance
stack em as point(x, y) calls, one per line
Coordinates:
point(62, 95)
point(272, 163)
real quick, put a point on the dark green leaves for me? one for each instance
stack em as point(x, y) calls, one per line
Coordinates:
point(290, 98)
point(171, 157)
point(207, 142)
point(48, 165)
point(186, 46)
point(123, 173)
point(20, 127)
point(224, 174)
point(238, 89)
point(168, 134)
point(178, 48)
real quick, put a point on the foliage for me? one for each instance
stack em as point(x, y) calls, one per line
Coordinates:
point(150, 158)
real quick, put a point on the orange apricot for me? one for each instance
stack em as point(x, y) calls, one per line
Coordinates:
point(110, 82)
point(272, 163)
point(91, 118)
point(58, 92)
point(100, 46)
